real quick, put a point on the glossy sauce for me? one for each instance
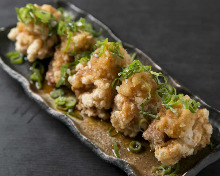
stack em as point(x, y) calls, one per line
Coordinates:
point(96, 131)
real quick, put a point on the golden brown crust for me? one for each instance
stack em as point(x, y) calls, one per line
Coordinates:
point(175, 137)
point(31, 40)
point(80, 41)
point(131, 93)
point(53, 73)
point(92, 83)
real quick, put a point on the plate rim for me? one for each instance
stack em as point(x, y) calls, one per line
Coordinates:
point(122, 164)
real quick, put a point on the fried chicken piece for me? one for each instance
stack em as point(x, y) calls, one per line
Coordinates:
point(53, 73)
point(80, 41)
point(175, 137)
point(33, 39)
point(127, 104)
point(92, 82)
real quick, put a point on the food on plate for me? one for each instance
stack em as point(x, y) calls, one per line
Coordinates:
point(77, 40)
point(137, 85)
point(92, 82)
point(35, 33)
point(174, 137)
point(102, 80)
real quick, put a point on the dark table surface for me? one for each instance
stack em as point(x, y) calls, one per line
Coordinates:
point(181, 36)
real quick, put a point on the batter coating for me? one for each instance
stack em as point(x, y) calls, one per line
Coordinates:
point(34, 39)
point(92, 82)
point(175, 137)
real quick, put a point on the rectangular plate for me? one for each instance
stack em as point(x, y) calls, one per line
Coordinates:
point(21, 73)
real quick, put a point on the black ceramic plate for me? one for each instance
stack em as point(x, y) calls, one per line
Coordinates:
point(21, 73)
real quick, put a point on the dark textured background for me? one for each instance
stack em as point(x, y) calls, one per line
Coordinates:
point(182, 36)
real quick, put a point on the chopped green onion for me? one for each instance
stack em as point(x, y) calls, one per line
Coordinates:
point(135, 67)
point(84, 59)
point(101, 46)
point(176, 170)
point(60, 9)
point(38, 65)
point(30, 13)
point(145, 100)
point(15, 57)
point(63, 75)
point(68, 42)
point(65, 71)
point(57, 93)
point(147, 113)
point(165, 91)
point(60, 101)
point(67, 28)
point(113, 47)
point(70, 111)
point(70, 102)
point(116, 149)
point(65, 103)
point(170, 99)
point(135, 146)
point(133, 56)
point(44, 16)
point(140, 124)
point(115, 50)
point(109, 132)
point(116, 82)
point(165, 170)
point(62, 107)
point(156, 77)
point(37, 75)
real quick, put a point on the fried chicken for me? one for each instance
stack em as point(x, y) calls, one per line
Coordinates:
point(92, 82)
point(174, 137)
point(33, 39)
point(80, 41)
point(127, 104)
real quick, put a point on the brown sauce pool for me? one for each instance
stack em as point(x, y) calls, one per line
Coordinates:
point(96, 131)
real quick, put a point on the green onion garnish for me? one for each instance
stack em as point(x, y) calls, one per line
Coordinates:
point(62, 107)
point(70, 111)
point(57, 93)
point(30, 13)
point(141, 123)
point(60, 101)
point(15, 57)
point(145, 100)
point(113, 47)
point(165, 91)
point(116, 149)
point(69, 36)
point(115, 50)
point(135, 67)
point(109, 132)
point(70, 102)
point(170, 99)
point(65, 103)
point(101, 46)
point(133, 56)
point(67, 28)
point(147, 113)
point(37, 75)
point(165, 170)
point(65, 71)
point(135, 146)
point(44, 16)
